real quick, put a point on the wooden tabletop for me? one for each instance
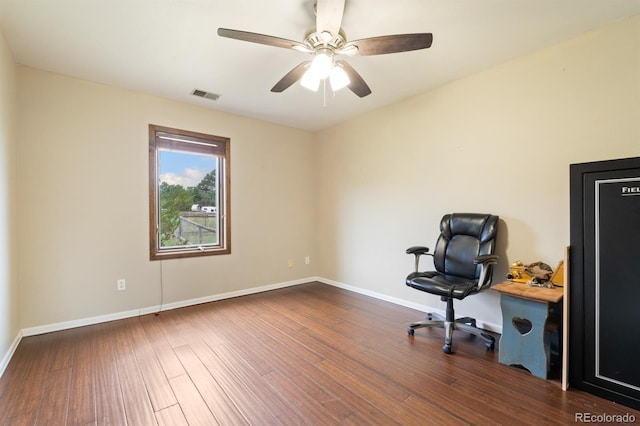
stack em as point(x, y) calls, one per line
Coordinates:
point(524, 291)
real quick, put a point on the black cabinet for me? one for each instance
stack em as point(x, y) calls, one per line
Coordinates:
point(604, 287)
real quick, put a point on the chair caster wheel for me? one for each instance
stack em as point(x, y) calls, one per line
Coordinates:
point(490, 343)
point(410, 331)
point(447, 349)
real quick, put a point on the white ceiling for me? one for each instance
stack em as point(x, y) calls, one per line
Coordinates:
point(170, 47)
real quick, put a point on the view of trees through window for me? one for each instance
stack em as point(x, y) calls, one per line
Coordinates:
point(188, 194)
point(188, 215)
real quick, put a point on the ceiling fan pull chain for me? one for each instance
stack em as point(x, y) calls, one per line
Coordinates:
point(324, 93)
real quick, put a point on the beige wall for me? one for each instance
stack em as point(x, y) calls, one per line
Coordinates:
point(352, 197)
point(500, 141)
point(83, 199)
point(9, 326)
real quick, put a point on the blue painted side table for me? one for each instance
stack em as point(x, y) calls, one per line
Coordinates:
point(531, 318)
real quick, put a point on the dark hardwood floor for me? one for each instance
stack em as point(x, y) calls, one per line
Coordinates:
point(309, 354)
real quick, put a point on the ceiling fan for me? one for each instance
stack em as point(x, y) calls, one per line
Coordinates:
point(325, 43)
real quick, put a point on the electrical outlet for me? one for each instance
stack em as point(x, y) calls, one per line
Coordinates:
point(290, 263)
point(122, 284)
point(307, 260)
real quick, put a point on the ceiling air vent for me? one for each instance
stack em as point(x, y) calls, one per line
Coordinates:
point(206, 95)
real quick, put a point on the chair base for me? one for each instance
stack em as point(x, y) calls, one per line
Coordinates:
point(466, 324)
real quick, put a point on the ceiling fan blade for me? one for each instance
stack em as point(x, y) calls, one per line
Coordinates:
point(262, 39)
point(357, 84)
point(291, 77)
point(329, 16)
point(393, 43)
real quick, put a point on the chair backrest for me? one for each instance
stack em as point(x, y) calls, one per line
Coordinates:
point(463, 237)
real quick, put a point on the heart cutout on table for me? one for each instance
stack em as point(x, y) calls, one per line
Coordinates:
point(522, 325)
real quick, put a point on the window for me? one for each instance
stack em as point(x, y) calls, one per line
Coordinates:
point(188, 194)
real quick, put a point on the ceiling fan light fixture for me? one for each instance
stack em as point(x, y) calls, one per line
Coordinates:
point(338, 78)
point(321, 65)
point(310, 81)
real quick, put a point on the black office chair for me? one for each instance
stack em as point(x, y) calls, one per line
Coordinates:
point(463, 259)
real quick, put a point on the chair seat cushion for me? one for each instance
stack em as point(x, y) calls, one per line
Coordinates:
point(442, 285)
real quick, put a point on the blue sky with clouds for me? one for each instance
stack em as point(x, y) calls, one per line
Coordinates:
point(179, 168)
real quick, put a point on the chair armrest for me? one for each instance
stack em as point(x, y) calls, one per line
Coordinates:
point(418, 251)
point(485, 261)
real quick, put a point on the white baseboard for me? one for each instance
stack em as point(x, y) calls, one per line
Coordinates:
point(497, 328)
point(12, 349)
point(32, 331)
